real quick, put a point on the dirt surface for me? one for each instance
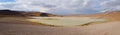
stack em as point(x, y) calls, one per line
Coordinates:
point(16, 27)
point(111, 28)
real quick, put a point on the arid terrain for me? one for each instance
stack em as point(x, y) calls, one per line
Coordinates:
point(20, 26)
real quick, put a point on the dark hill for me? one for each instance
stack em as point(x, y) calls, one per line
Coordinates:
point(24, 13)
point(9, 13)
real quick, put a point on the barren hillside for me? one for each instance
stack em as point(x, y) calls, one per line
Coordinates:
point(114, 16)
point(24, 13)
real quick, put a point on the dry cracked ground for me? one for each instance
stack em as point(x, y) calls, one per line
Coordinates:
point(18, 26)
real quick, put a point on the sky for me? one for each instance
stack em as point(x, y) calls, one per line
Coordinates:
point(62, 7)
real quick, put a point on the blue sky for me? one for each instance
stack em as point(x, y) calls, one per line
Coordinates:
point(7, 0)
point(62, 7)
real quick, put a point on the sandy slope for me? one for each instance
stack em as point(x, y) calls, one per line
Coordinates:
point(111, 28)
point(13, 26)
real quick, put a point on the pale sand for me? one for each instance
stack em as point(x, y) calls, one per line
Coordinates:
point(110, 28)
point(65, 21)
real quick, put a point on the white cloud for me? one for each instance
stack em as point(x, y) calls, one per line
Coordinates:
point(61, 6)
point(46, 5)
point(85, 2)
point(111, 5)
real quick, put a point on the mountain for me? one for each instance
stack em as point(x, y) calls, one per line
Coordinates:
point(37, 14)
point(24, 13)
point(107, 14)
point(9, 13)
point(113, 15)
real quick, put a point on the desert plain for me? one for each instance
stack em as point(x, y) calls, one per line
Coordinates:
point(99, 24)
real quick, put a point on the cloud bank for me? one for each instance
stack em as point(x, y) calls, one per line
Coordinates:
point(62, 7)
point(111, 5)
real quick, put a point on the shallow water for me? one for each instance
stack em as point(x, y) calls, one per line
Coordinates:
point(65, 21)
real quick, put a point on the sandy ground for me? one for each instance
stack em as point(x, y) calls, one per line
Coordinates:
point(65, 21)
point(9, 28)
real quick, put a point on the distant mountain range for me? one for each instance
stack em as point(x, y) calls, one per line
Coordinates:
point(41, 14)
point(24, 13)
point(105, 14)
